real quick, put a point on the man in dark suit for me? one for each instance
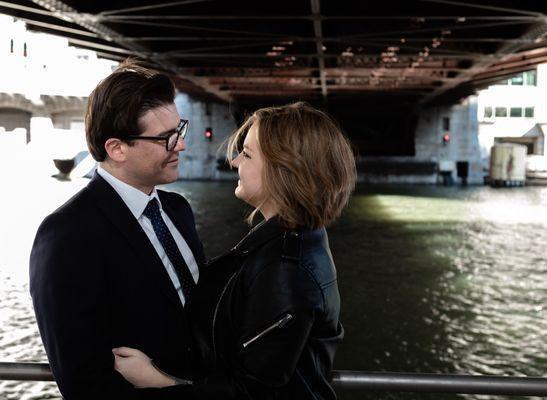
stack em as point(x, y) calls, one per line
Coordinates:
point(117, 263)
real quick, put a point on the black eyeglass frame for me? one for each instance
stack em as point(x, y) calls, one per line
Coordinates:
point(180, 131)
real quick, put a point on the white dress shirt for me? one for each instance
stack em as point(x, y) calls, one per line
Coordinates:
point(137, 201)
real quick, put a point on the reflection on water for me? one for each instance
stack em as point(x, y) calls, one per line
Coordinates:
point(432, 279)
point(444, 280)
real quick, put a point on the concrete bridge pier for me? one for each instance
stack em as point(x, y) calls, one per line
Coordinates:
point(449, 136)
point(204, 155)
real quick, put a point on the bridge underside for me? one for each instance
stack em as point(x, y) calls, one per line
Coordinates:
point(374, 64)
point(404, 51)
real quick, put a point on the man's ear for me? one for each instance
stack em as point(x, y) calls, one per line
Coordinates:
point(116, 149)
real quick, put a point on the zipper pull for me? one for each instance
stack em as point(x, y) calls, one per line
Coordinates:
point(279, 324)
point(284, 321)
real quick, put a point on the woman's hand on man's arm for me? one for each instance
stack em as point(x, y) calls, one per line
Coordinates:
point(137, 368)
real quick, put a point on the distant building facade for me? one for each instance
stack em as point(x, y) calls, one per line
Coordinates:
point(514, 111)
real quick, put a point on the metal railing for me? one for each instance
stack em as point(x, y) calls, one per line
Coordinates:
point(439, 383)
point(363, 381)
point(25, 371)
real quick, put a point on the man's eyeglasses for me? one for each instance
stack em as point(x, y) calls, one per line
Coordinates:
point(171, 139)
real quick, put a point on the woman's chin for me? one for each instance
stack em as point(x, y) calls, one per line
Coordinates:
point(240, 194)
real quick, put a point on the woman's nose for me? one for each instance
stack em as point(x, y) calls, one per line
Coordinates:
point(236, 161)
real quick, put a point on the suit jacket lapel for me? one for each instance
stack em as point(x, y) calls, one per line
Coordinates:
point(114, 208)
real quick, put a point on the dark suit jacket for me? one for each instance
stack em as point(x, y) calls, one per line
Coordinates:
point(97, 282)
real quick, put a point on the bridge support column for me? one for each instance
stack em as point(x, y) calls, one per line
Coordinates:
point(449, 136)
point(204, 155)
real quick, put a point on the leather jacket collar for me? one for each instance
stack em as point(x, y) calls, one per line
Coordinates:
point(260, 234)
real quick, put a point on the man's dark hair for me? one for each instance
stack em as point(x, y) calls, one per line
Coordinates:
point(118, 101)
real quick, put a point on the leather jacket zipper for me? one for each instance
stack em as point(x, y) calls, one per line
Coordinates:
point(278, 324)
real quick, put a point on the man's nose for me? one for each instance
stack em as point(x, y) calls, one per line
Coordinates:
point(181, 145)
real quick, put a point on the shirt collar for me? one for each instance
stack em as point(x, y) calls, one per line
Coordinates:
point(133, 198)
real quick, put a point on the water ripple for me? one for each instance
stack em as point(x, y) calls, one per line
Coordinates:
point(432, 280)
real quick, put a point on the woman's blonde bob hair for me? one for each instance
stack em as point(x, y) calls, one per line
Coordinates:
point(309, 166)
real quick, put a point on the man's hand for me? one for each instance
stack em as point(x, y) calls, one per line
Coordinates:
point(137, 368)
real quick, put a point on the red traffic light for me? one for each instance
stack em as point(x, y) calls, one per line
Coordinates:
point(208, 134)
point(446, 138)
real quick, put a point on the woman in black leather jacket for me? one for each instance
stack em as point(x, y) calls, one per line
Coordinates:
point(271, 327)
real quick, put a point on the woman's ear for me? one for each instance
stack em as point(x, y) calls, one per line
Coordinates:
point(115, 148)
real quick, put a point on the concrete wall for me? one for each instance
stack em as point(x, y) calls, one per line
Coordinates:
point(73, 119)
point(11, 119)
point(199, 161)
point(55, 125)
point(17, 111)
point(540, 149)
point(395, 170)
point(432, 154)
point(463, 132)
point(201, 158)
point(60, 133)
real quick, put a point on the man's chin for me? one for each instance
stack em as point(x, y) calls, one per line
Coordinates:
point(170, 178)
point(174, 178)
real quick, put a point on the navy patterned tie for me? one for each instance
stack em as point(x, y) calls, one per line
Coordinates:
point(152, 212)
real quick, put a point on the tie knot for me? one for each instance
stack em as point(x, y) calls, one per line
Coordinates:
point(152, 209)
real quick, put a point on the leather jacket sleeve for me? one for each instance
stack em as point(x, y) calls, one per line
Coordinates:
point(279, 311)
point(267, 351)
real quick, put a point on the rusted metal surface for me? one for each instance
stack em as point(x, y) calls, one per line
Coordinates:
point(311, 49)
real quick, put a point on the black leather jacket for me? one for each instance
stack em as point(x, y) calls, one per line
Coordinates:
point(274, 329)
